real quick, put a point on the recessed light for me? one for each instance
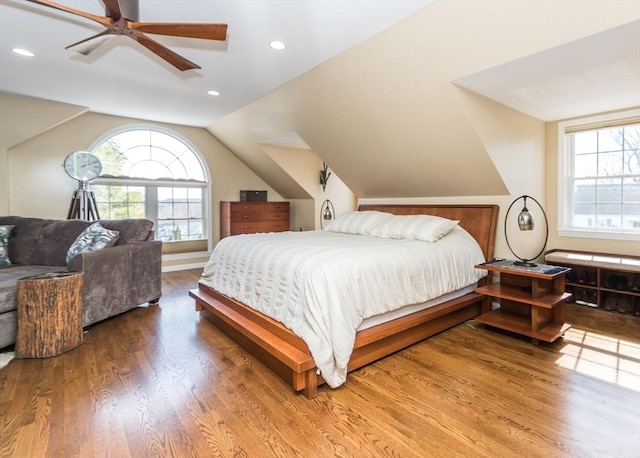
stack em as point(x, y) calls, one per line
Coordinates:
point(213, 93)
point(23, 52)
point(277, 45)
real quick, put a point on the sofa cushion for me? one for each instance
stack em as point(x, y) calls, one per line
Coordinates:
point(5, 231)
point(54, 242)
point(93, 238)
point(24, 237)
point(8, 278)
point(129, 230)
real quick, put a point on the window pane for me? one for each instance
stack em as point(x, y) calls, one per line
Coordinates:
point(150, 169)
point(162, 155)
point(585, 142)
point(196, 229)
point(101, 192)
point(584, 191)
point(165, 194)
point(119, 210)
point(195, 210)
point(584, 215)
point(138, 153)
point(178, 171)
point(167, 142)
point(194, 194)
point(586, 165)
point(165, 230)
point(165, 210)
point(610, 164)
point(180, 209)
point(631, 216)
point(610, 139)
point(180, 193)
point(136, 210)
point(193, 167)
point(609, 191)
point(631, 190)
point(632, 162)
point(608, 221)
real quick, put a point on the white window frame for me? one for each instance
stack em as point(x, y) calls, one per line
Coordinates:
point(565, 178)
point(153, 184)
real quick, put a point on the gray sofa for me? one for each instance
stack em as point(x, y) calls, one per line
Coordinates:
point(116, 279)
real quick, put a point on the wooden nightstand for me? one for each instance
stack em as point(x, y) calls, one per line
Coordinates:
point(531, 300)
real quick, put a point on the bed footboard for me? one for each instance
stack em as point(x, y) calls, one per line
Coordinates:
point(288, 356)
point(269, 341)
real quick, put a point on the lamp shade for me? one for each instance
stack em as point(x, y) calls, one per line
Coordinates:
point(525, 218)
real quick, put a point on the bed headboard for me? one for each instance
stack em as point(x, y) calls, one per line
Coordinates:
point(478, 220)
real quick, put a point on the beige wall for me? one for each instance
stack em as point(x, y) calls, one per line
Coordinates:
point(22, 118)
point(304, 166)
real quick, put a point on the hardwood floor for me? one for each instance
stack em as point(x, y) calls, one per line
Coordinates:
point(159, 381)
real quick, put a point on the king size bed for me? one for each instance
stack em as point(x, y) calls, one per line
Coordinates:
point(313, 306)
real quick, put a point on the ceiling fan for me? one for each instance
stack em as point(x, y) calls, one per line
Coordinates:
point(121, 18)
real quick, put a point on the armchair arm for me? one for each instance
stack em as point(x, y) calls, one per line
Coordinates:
point(119, 278)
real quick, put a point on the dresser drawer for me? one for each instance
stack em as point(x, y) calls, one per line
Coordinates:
point(277, 207)
point(250, 227)
point(275, 216)
point(243, 208)
point(278, 226)
point(246, 217)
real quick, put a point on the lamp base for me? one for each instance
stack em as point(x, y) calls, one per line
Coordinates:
point(525, 263)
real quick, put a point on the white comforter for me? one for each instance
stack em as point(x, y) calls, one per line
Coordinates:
point(322, 284)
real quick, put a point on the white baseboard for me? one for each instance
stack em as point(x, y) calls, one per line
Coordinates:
point(185, 256)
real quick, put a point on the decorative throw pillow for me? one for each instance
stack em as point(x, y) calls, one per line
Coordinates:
point(93, 238)
point(426, 228)
point(4, 245)
point(359, 223)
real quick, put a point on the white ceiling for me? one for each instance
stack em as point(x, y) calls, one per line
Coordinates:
point(123, 78)
point(595, 74)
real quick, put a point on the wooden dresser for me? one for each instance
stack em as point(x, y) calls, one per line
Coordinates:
point(250, 217)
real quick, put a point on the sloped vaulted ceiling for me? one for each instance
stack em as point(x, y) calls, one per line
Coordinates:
point(387, 116)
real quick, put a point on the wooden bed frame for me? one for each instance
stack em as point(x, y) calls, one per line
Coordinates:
point(288, 356)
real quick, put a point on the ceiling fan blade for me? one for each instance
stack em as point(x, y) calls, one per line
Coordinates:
point(162, 51)
point(112, 8)
point(100, 19)
point(189, 30)
point(87, 45)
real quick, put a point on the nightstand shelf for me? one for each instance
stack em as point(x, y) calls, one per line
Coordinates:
point(531, 300)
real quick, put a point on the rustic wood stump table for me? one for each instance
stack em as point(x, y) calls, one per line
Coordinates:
point(49, 314)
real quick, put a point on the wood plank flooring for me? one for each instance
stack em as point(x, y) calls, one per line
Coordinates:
point(161, 382)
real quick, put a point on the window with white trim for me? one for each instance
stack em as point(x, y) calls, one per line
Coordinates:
point(599, 177)
point(152, 173)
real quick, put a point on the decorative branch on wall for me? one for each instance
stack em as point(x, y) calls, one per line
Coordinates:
point(324, 175)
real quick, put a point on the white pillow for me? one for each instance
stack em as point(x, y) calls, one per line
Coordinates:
point(359, 223)
point(427, 228)
point(93, 238)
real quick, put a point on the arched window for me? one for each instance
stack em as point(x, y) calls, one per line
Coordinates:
point(152, 173)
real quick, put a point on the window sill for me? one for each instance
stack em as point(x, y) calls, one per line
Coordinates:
point(599, 235)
